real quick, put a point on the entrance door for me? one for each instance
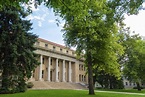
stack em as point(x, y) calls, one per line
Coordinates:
point(50, 75)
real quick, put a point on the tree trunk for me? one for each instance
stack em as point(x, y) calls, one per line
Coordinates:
point(90, 74)
point(138, 86)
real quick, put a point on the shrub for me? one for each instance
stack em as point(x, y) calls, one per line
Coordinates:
point(137, 88)
point(30, 85)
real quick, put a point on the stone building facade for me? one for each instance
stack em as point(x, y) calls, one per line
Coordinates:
point(58, 64)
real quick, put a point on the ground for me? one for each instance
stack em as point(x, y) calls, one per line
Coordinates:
point(73, 93)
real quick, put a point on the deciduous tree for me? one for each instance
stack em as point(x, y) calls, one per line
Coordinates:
point(133, 58)
point(94, 34)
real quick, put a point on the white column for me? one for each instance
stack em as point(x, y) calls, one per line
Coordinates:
point(69, 71)
point(63, 71)
point(56, 69)
point(40, 70)
point(48, 68)
point(31, 74)
point(31, 78)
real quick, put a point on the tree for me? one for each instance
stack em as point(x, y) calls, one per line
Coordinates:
point(133, 58)
point(95, 35)
point(108, 81)
point(17, 58)
point(79, 32)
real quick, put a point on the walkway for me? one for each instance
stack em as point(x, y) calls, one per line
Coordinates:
point(116, 92)
point(120, 92)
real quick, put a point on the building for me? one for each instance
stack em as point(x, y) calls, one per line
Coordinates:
point(129, 84)
point(58, 64)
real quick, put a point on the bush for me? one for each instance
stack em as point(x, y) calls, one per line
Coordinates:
point(30, 85)
point(99, 88)
point(137, 88)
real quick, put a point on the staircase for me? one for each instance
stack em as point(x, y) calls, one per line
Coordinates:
point(56, 85)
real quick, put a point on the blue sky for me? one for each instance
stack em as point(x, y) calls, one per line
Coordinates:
point(45, 24)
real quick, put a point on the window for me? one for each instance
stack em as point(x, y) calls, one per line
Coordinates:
point(60, 49)
point(79, 67)
point(126, 83)
point(72, 53)
point(82, 78)
point(65, 73)
point(51, 62)
point(53, 47)
point(43, 61)
point(58, 75)
point(37, 43)
point(82, 67)
point(67, 51)
point(46, 45)
point(42, 73)
point(79, 77)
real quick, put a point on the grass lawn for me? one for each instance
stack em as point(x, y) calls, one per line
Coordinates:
point(123, 90)
point(66, 93)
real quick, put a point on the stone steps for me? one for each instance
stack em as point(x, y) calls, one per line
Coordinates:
point(56, 85)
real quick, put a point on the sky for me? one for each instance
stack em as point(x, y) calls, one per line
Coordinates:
point(45, 24)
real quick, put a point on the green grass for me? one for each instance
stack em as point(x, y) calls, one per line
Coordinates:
point(66, 93)
point(124, 90)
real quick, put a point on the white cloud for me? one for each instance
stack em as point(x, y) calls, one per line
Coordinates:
point(62, 24)
point(136, 22)
point(51, 21)
point(31, 17)
point(39, 23)
point(38, 17)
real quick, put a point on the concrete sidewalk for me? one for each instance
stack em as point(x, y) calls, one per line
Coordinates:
point(120, 92)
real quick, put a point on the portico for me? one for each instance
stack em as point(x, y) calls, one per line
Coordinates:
point(54, 69)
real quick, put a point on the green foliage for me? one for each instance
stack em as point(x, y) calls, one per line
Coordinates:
point(108, 81)
point(17, 57)
point(137, 87)
point(90, 27)
point(10, 3)
point(133, 59)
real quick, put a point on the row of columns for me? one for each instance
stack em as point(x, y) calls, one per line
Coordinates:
point(56, 70)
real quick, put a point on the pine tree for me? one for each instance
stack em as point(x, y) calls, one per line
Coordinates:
point(17, 58)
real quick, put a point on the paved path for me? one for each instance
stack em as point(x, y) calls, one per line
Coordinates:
point(116, 92)
point(120, 92)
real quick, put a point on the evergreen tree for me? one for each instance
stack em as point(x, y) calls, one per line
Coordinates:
point(17, 57)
